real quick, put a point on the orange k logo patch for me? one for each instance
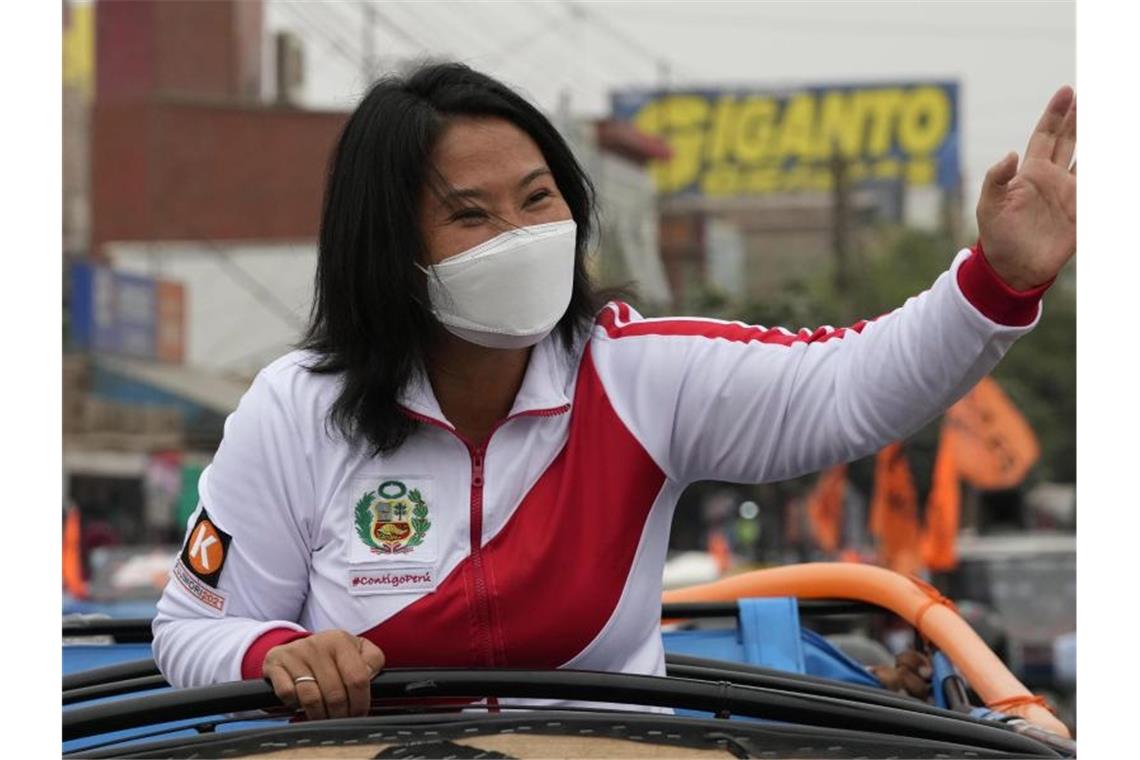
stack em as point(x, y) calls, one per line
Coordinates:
point(205, 550)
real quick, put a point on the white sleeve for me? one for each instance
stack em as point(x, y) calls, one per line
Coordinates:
point(258, 495)
point(727, 401)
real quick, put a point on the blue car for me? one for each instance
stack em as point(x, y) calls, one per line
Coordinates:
point(746, 677)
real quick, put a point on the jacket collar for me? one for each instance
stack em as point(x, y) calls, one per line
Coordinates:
point(545, 386)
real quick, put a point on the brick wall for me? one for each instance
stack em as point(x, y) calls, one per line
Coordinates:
point(192, 171)
point(181, 147)
point(200, 47)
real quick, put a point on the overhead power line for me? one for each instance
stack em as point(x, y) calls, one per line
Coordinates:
point(437, 22)
point(399, 31)
point(516, 45)
point(368, 41)
point(251, 285)
point(469, 27)
point(581, 12)
point(341, 46)
point(604, 72)
point(388, 25)
point(819, 24)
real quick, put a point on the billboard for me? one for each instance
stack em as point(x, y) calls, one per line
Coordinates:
point(751, 141)
point(126, 314)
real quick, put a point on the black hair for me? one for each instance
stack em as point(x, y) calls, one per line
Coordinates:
point(370, 320)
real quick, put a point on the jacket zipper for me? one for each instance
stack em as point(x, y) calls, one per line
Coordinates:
point(482, 598)
point(477, 454)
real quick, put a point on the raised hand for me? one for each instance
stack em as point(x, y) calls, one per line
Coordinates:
point(1027, 215)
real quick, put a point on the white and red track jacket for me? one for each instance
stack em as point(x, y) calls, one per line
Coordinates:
point(544, 546)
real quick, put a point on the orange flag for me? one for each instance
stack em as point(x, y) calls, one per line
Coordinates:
point(720, 551)
point(994, 447)
point(825, 507)
point(943, 506)
point(73, 581)
point(894, 511)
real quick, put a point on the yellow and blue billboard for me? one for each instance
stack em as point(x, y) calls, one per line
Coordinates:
point(741, 142)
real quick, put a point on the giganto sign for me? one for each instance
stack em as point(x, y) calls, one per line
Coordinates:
point(752, 142)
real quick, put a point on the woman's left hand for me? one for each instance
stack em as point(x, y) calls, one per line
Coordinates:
point(1027, 215)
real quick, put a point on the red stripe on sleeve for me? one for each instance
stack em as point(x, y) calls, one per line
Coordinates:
point(255, 656)
point(989, 294)
point(617, 326)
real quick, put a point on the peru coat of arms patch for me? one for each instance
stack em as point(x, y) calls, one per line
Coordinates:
point(392, 520)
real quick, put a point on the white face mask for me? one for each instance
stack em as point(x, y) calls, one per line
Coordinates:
point(510, 291)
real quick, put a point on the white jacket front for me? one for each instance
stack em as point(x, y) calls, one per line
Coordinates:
point(544, 547)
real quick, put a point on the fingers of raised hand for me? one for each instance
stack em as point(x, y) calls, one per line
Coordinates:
point(1045, 135)
point(1057, 186)
point(1069, 196)
point(1066, 138)
point(1000, 173)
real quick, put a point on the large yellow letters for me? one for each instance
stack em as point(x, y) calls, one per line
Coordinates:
point(735, 144)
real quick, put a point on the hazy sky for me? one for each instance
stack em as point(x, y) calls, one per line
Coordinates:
point(1008, 57)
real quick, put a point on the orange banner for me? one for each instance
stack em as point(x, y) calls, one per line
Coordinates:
point(719, 549)
point(943, 507)
point(73, 581)
point(825, 508)
point(994, 447)
point(894, 511)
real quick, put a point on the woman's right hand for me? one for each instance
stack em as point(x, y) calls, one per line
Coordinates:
point(342, 664)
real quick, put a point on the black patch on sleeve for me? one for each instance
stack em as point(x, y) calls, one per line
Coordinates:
point(210, 578)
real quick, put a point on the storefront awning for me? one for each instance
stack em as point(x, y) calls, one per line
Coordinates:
point(203, 388)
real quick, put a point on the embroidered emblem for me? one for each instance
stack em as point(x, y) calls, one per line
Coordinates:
point(392, 519)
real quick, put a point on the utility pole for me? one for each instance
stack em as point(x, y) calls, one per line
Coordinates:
point(664, 75)
point(840, 221)
point(676, 280)
point(951, 203)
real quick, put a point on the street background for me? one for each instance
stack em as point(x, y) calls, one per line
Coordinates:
point(781, 164)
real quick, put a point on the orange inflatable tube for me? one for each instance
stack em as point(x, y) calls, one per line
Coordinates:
point(914, 601)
